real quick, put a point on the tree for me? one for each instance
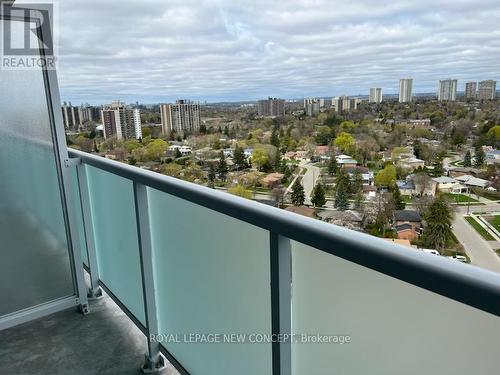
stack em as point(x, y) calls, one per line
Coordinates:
point(468, 159)
point(240, 191)
point(357, 182)
point(239, 158)
point(479, 157)
point(387, 176)
point(342, 190)
point(422, 182)
point(212, 174)
point(438, 169)
point(341, 198)
point(438, 233)
point(318, 195)
point(156, 149)
point(298, 196)
point(222, 168)
point(259, 157)
point(399, 203)
point(332, 166)
point(345, 142)
point(275, 141)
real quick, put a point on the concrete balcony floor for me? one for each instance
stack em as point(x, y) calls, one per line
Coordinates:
point(104, 342)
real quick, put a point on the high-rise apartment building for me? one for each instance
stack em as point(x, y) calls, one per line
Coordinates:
point(487, 90)
point(471, 90)
point(344, 104)
point(405, 90)
point(312, 106)
point(183, 116)
point(273, 107)
point(71, 116)
point(447, 90)
point(121, 121)
point(74, 117)
point(375, 95)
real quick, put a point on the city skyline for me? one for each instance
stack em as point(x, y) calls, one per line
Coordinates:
point(224, 51)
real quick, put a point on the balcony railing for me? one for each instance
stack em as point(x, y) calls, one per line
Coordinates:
point(184, 259)
point(189, 264)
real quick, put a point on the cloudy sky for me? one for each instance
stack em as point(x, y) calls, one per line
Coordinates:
point(229, 50)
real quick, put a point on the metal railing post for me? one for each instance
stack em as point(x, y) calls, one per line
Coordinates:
point(88, 228)
point(281, 303)
point(76, 255)
point(155, 362)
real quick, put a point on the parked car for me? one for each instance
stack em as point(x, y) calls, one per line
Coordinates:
point(459, 258)
point(431, 251)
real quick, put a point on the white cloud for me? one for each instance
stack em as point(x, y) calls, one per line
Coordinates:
point(229, 50)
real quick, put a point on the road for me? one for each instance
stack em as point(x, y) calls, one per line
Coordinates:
point(477, 248)
point(309, 180)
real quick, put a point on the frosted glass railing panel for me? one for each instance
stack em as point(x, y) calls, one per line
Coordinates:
point(394, 327)
point(212, 275)
point(34, 266)
point(115, 233)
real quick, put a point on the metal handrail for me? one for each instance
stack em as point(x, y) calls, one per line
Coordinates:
point(470, 285)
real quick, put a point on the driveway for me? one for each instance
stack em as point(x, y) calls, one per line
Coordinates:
point(309, 180)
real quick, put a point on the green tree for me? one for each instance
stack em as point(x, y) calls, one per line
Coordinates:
point(387, 176)
point(479, 157)
point(178, 153)
point(438, 169)
point(341, 198)
point(345, 142)
point(399, 203)
point(468, 159)
point(212, 174)
point(318, 195)
point(222, 168)
point(239, 158)
point(342, 189)
point(156, 149)
point(438, 233)
point(259, 158)
point(332, 166)
point(275, 140)
point(298, 196)
point(357, 182)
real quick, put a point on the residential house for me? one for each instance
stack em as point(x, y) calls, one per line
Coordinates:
point(346, 161)
point(408, 224)
point(349, 219)
point(461, 171)
point(447, 184)
point(272, 180)
point(472, 181)
point(411, 163)
point(302, 210)
point(366, 174)
point(492, 157)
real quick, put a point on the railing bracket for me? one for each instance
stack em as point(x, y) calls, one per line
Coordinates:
point(70, 162)
point(152, 366)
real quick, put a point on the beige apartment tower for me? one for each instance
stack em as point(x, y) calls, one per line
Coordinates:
point(487, 90)
point(183, 116)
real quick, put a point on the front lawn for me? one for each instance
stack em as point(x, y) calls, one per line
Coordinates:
point(461, 198)
point(479, 229)
point(495, 221)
